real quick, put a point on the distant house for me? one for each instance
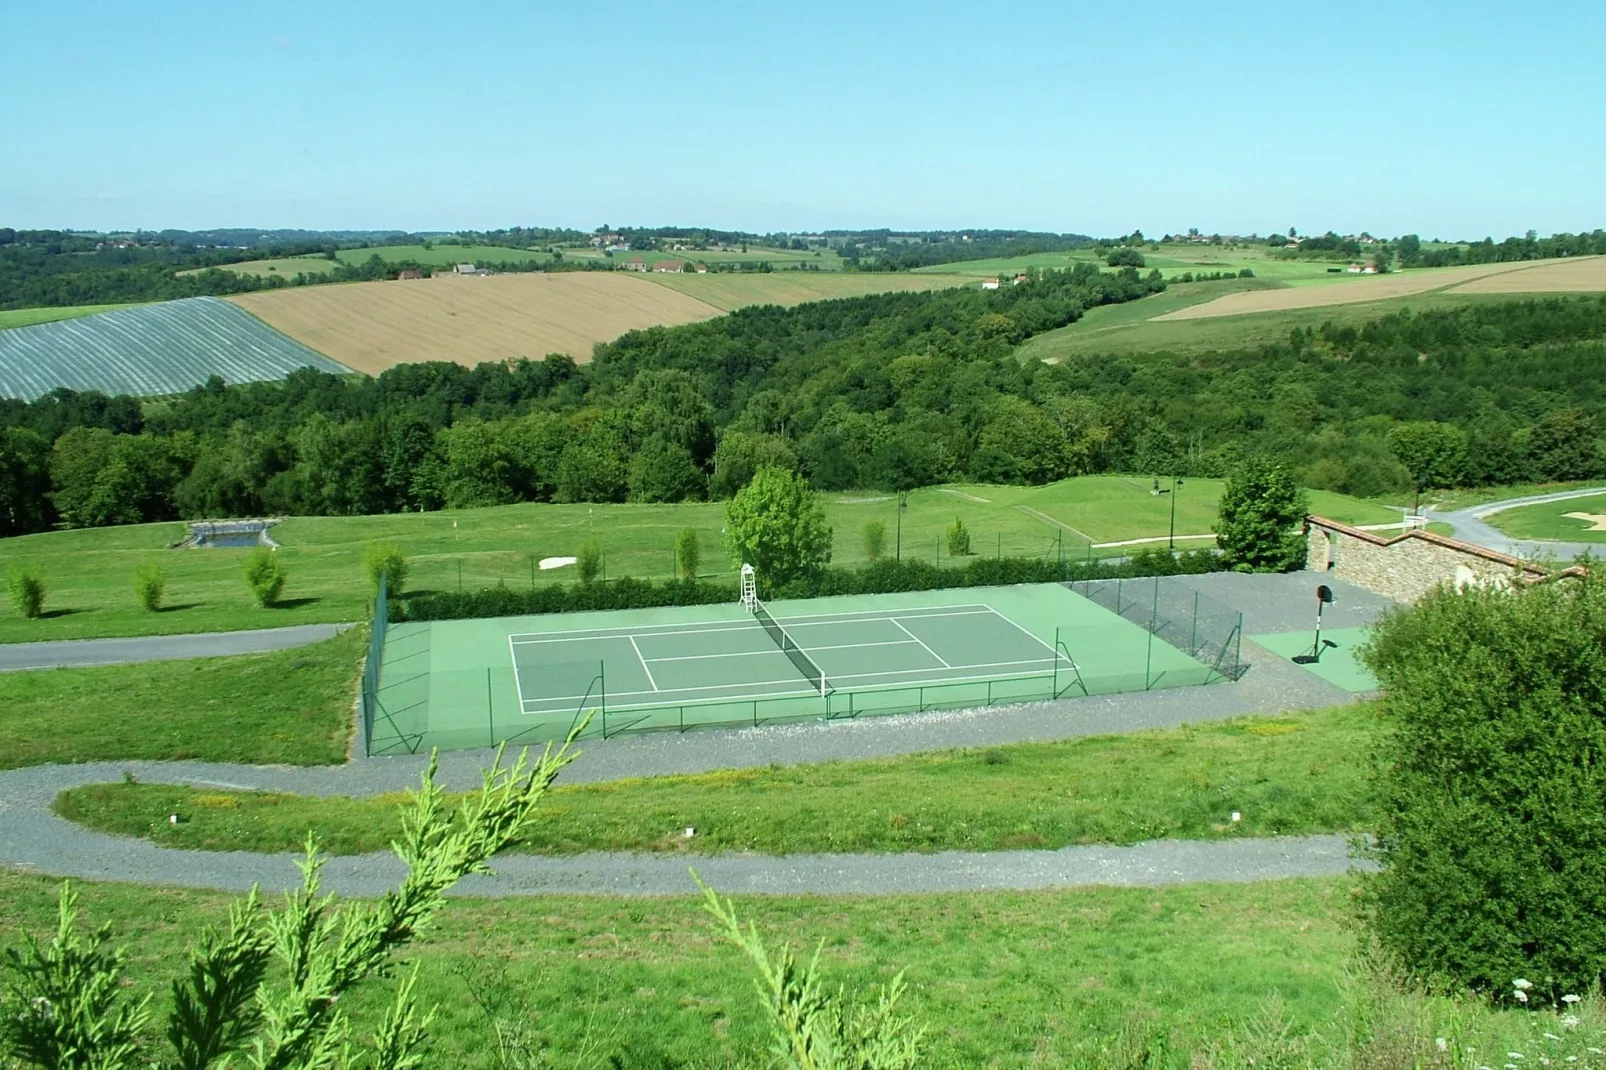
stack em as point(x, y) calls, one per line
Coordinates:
point(635, 263)
point(989, 284)
point(702, 269)
point(469, 269)
point(1018, 280)
point(409, 273)
point(670, 265)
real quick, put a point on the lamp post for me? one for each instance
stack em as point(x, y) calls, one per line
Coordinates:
point(1176, 482)
point(903, 503)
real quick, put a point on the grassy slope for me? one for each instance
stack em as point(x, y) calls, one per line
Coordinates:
point(1007, 979)
point(28, 317)
point(443, 255)
point(1295, 774)
point(1171, 260)
point(293, 707)
point(1551, 522)
point(89, 573)
point(1133, 331)
point(289, 267)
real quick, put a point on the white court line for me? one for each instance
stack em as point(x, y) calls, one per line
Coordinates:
point(518, 687)
point(923, 646)
point(643, 661)
point(1032, 637)
point(647, 631)
point(978, 678)
point(776, 650)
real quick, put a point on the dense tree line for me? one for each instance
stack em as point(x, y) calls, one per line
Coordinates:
point(891, 391)
point(1528, 247)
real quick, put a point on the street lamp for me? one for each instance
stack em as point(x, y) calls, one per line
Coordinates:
point(903, 503)
point(1176, 482)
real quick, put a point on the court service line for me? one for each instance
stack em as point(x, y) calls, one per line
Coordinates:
point(513, 655)
point(643, 661)
point(943, 661)
point(774, 650)
point(978, 678)
point(1028, 635)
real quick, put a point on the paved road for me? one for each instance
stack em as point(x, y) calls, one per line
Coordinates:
point(35, 839)
point(1470, 526)
point(64, 653)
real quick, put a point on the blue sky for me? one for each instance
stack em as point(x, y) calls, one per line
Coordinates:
point(1449, 119)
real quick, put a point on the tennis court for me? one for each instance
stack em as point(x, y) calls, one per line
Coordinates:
point(528, 679)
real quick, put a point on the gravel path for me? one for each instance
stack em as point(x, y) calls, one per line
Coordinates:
point(78, 653)
point(33, 838)
point(1469, 525)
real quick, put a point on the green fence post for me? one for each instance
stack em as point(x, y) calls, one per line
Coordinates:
point(1193, 638)
point(490, 708)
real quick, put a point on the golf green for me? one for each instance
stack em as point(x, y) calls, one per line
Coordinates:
point(1338, 664)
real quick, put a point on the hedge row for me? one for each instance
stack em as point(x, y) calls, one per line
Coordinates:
point(881, 577)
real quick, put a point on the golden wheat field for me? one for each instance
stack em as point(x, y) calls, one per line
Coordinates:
point(371, 326)
point(732, 291)
point(1354, 291)
point(1585, 274)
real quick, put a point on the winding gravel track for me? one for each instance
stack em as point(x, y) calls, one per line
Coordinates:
point(1469, 525)
point(34, 839)
point(82, 653)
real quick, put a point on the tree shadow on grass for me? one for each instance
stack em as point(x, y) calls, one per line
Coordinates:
point(181, 607)
point(52, 614)
point(294, 603)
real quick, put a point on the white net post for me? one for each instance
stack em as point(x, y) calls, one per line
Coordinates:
point(749, 588)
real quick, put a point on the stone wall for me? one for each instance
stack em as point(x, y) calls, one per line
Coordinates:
point(1408, 566)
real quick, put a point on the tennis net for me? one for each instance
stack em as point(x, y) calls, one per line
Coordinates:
point(805, 665)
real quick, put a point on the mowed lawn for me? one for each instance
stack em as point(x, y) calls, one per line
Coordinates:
point(1553, 520)
point(288, 267)
point(1006, 980)
point(89, 573)
point(28, 317)
point(290, 707)
point(1289, 775)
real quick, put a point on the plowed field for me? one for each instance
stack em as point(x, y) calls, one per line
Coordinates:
point(371, 326)
point(1585, 274)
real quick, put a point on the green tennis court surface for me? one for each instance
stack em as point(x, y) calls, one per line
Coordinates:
point(1337, 665)
point(529, 679)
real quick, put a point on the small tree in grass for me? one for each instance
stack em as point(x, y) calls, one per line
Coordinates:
point(812, 1027)
point(67, 1004)
point(1259, 520)
point(264, 574)
point(958, 539)
point(589, 560)
point(1491, 788)
point(688, 554)
point(149, 585)
point(27, 589)
point(776, 525)
point(875, 539)
point(385, 559)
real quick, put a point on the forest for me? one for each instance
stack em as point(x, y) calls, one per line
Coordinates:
point(889, 391)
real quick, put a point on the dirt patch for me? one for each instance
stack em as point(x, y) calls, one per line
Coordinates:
point(1350, 292)
point(1597, 521)
point(1584, 274)
point(371, 326)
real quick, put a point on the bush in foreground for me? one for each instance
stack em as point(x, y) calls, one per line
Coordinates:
point(149, 585)
point(1492, 788)
point(385, 559)
point(27, 590)
point(264, 575)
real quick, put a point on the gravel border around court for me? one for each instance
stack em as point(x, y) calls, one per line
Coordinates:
point(34, 839)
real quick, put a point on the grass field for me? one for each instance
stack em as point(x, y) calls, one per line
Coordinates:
point(28, 317)
point(291, 707)
point(288, 267)
point(1226, 975)
point(371, 326)
point(444, 255)
point(728, 291)
point(1290, 775)
point(1129, 328)
point(1172, 260)
point(89, 573)
point(819, 260)
point(1552, 520)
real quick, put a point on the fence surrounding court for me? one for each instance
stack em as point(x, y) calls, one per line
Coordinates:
point(1177, 614)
